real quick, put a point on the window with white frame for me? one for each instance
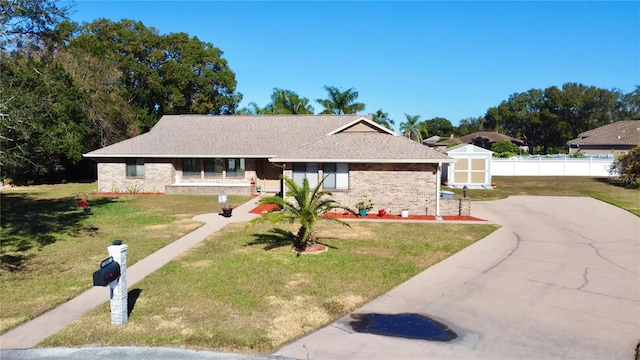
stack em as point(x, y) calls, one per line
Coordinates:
point(135, 167)
point(336, 176)
point(307, 171)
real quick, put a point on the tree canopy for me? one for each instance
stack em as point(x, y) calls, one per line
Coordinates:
point(69, 88)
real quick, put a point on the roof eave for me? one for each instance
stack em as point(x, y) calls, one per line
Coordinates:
point(181, 156)
point(364, 161)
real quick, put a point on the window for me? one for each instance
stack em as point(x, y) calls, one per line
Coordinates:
point(213, 167)
point(336, 176)
point(235, 168)
point(307, 171)
point(190, 167)
point(135, 167)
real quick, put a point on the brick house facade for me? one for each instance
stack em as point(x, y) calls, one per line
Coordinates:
point(177, 157)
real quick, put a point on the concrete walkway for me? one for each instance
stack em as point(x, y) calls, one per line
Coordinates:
point(33, 332)
point(559, 280)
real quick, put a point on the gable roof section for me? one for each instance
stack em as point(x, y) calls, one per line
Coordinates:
point(466, 149)
point(364, 147)
point(249, 136)
point(626, 132)
point(370, 125)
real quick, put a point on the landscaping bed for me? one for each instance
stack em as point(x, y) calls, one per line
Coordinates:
point(261, 209)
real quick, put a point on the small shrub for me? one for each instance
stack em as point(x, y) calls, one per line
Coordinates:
point(628, 168)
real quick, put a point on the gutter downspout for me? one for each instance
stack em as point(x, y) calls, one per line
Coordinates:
point(283, 167)
point(438, 179)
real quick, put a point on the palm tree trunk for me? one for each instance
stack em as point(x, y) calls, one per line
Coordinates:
point(305, 238)
point(301, 242)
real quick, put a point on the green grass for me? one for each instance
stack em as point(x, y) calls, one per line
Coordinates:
point(247, 291)
point(239, 290)
point(598, 188)
point(50, 248)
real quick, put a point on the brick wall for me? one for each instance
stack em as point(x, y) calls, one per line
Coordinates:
point(112, 176)
point(392, 187)
point(395, 187)
point(453, 206)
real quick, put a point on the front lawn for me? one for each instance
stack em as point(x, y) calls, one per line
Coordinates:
point(246, 291)
point(598, 188)
point(50, 248)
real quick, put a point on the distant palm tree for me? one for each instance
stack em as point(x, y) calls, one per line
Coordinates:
point(341, 102)
point(411, 128)
point(307, 208)
point(253, 109)
point(383, 119)
point(288, 102)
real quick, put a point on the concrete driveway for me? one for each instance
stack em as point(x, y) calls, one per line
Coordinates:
point(559, 279)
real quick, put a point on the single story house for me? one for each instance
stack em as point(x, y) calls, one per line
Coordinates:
point(483, 139)
point(615, 138)
point(473, 168)
point(242, 154)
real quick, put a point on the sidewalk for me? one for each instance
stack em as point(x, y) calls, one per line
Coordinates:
point(33, 332)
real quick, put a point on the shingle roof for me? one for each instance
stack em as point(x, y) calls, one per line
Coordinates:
point(301, 137)
point(492, 136)
point(364, 147)
point(225, 136)
point(626, 132)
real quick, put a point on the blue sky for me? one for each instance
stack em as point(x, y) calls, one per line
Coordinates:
point(433, 59)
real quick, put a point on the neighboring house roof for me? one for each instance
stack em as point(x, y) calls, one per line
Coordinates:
point(491, 136)
point(281, 138)
point(626, 132)
point(431, 141)
point(449, 141)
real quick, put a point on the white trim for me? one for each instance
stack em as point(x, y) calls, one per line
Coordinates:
point(210, 184)
point(361, 119)
point(364, 161)
point(173, 156)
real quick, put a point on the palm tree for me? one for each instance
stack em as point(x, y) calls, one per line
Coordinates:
point(307, 209)
point(288, 102)
point(383, 119)
point(411, 128)
point(340, 102)
point(253, 109)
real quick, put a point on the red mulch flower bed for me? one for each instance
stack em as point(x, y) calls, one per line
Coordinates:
point(261, 209)
point(398, 217)
point(265, 208)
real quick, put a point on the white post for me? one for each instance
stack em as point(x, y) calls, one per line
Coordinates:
point(438, 179)
point(119, 296)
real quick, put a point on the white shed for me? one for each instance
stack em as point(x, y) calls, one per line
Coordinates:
point(472, 168)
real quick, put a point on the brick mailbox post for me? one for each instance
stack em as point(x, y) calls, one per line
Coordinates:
point(113, 272)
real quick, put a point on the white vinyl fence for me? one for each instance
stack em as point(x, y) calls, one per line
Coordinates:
point(552, 166)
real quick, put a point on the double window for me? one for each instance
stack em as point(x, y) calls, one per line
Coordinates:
point(230, 168)
point(307, 171)
point(135, 167)
point(337, 175)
